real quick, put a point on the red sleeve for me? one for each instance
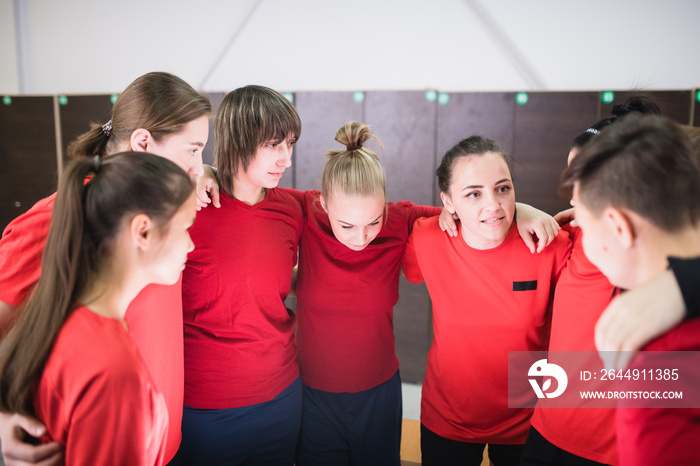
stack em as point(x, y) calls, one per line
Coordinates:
point(410, 266)
point(21, 248)
point(419, 211)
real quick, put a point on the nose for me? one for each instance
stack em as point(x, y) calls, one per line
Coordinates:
point(361, 237)
point(491, 202)
point(196, 169)
point(285, 155)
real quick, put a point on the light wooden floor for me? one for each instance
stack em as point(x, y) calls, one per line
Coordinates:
point(410, 444)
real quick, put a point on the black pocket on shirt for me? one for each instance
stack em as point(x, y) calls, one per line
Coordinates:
point(525, 286)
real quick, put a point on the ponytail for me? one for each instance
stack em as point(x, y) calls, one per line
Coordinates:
point(86, 220)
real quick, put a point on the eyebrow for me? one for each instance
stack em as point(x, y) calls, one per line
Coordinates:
point(198, 144)
point(351, 225)
point(473, 186)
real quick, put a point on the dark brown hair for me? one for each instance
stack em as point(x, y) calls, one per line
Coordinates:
point(158, 102)
point(473, 145)
point(645, 164)
point(247, 118)
point(85, 221)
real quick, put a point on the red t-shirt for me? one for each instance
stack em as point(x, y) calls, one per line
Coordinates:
point(154, 317)
point(97, 398)
point(346, 298)
point(239, 341)
point(581, 296)
point(657, 435)
point(477, 319)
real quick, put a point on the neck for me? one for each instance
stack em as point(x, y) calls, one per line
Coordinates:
point(110, 293)
point(658, 245)
point(245, 192)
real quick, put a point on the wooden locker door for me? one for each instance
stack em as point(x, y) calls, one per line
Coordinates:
point(322, 114)
point(545, 125)
point(77, 112)
point(27, 153)
point(405, 123)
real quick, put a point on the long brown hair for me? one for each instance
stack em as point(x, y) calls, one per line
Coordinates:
point(158, 102)
point(85, 222)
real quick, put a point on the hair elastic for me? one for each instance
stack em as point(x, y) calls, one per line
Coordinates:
point(107, 128)
point(592, 131)
point(622, 110)
point(352, 148)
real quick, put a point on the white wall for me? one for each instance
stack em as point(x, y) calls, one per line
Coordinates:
point(97, 46)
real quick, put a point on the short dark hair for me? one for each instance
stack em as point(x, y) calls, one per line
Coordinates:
point(644, 164)
point(473, 145)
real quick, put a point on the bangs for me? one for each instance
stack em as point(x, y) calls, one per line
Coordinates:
point(278, 121)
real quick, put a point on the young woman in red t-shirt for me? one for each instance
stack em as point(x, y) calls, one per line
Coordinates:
point(490, 296)
point(70, 360)
point(158, 113)
point(242, 387)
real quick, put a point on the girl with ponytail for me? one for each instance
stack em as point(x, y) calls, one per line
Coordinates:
point(158, 113)
point(69, 360)
point(347, 285)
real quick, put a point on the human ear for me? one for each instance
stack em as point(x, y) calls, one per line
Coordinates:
point(140, 140)
point(323, 203)
point(447, 202)
point(141, 231)
point(620, 226)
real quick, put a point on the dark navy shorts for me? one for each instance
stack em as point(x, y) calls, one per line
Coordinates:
point(441, 451)
point(261, 434)
point(344, 429)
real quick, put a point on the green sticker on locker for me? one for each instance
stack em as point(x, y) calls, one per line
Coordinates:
point(607, 97)
point(62, 100)
point(113, 98)
point(289, 96)
point(430, 95)
point(358, 96)
point(7, 100)
point(521, 98)
point(443, 98)
point(697, 96)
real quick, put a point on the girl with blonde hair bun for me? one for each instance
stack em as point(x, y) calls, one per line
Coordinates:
point(347, 285)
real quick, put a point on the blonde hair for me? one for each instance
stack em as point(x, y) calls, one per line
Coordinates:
point(356, 169)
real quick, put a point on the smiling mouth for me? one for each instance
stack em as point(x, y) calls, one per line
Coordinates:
point(493, 220)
